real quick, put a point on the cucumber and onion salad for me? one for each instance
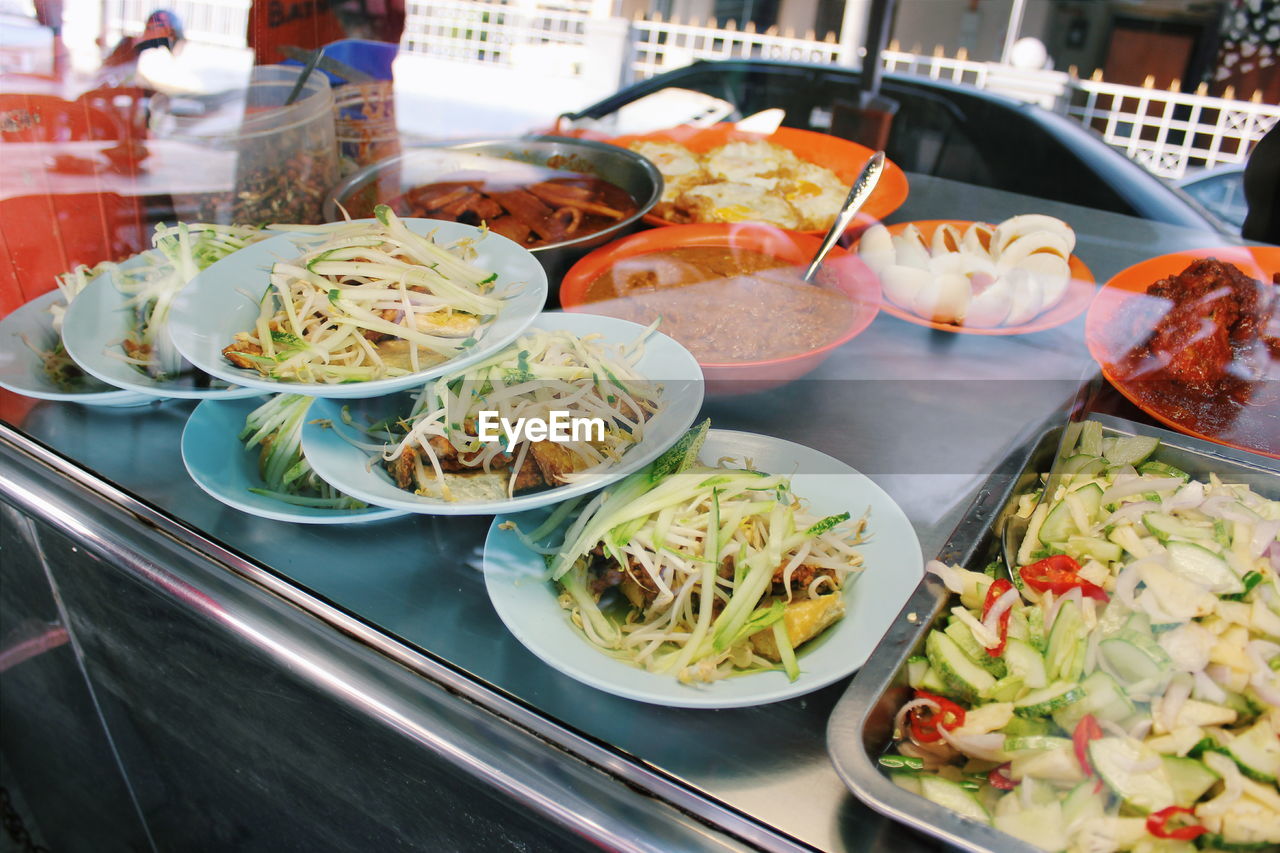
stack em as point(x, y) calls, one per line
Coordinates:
point(1122, 691)
point(666, 535)
point(275, 430)
point(183, 251)
point(373, 300)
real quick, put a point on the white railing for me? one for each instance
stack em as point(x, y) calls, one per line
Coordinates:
point(491, 31)
point(1170, 132)
point(961, 69)
point(661, 46)
point(220, 22)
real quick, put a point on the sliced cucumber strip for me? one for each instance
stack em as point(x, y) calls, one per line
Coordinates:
point(951, 795)
point(1188, 777)
point(1134, 657)
point(1046, 700)
point(1027, 743)
point(1126, 766)
point(1102, 697)
point(1204, 568)
point(1257, 752)
point(1060, 524)
point(1153, 468)
point(963, 678)
point(1165, 527)
point(1068, 634)
point(1089, 442)
point(1088, 547)
point(916, 668)
point(1024, 661)
point(963, 637)
point(907, 781)
point(1130, 449)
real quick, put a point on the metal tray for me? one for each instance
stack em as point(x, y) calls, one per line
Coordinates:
point(860, 728)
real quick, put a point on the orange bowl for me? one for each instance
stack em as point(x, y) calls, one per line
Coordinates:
point(1122, 316)
point(847, 273)
point(1079, 293)
point(841, 156)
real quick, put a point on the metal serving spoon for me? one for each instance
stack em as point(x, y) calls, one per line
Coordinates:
point(862, 187)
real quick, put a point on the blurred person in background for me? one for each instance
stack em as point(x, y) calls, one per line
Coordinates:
point(1262, 190)
point(162, 32)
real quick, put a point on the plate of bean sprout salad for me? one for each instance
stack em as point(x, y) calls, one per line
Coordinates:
point(358, 308)
point(248, 455)
point(117, 328)
point(809, 560)
point(33, 360)
point(466, 443)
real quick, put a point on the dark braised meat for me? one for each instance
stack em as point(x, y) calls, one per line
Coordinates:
point(531, 212)
point(1218, 316)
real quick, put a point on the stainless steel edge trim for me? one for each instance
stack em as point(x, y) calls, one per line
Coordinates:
point(716, 816)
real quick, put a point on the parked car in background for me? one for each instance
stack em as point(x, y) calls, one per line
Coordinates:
point(1220, 191)
point(940, 129)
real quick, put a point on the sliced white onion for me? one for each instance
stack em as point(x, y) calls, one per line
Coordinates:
point(988, 747)
point(900, 718)
point(1141, 729)
point(1073, 594)
point(1002, 606)
point(1207, 689)
point(1174, 698)
point(1132, 511)
point(949, 576)
point(1126, 583)
point(1232, 784)
point(1264, 536)
point(1226, 507)
point(1127, 486)
point(1189, 496)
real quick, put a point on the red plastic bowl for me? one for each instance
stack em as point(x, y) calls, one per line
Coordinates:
point(850, 275)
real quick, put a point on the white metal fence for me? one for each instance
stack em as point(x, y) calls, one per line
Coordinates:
point(1170, 132)
point(659, 46)
point(491, 31)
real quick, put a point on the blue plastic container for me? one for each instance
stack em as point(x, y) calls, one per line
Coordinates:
point(372, 57)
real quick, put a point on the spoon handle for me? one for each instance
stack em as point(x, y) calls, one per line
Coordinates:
point(862, 187)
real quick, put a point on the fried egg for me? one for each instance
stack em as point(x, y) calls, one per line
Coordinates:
point(816, 193)
point(679, 166)
point(757, 162)
point(727, 201)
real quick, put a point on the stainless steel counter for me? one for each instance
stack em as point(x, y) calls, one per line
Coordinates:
point(399, 607)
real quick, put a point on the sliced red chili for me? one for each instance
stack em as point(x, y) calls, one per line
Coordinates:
point(924, 722)
point(999, 778)
point(997, 589)
point(1087, 730)
point(1060, 574)
point(1158, 824)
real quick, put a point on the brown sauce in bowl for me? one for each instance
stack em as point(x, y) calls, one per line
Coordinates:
point(531, 205)
point(724, 305)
